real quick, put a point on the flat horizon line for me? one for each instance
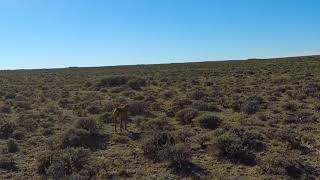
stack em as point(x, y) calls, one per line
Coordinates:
point(146, 64)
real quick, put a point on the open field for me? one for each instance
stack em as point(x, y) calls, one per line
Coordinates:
point(254, 119)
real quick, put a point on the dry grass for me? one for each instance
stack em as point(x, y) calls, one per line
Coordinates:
point(206, 120)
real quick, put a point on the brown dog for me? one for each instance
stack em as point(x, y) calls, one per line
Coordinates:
point(120, 112)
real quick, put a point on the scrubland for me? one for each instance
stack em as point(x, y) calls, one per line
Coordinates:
point(253, 119)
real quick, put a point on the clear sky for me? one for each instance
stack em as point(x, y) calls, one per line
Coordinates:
point(62, 33)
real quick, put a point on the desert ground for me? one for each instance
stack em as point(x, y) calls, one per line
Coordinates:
point(246, 119)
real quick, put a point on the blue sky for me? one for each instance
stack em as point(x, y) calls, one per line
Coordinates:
point(62, 33)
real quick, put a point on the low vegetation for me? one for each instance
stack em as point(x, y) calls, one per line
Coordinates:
point(255, 119)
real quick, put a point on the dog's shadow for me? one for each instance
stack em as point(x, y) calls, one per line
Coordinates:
point(131, 134)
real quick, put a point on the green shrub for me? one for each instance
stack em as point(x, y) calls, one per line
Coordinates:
point(12, 146)
point(186, 116)
point(10, 95)
point(209, 121)
point(7, 164)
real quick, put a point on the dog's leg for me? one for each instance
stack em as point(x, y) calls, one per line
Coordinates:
point(115, 123)
point(120, 124)
point(125, 122)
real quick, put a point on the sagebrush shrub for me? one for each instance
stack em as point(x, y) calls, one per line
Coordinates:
point(253, 104)
point(112, 81)
point(239, 145)
point(165, 146)
point(6, 129)
point(200, 105)
point(209, 121)
point(179, 157)
point(300, 117)
point(292, 139)
point(236, 106)
point(66, 163)
point(18, 133)
point(231, 147)
point(94, 109)
point(85, 133)
point(186, 116)
point(168, 94)
point(22, 105)
point(88, 124)
point(182, 135)
point(290, 106)
point(290, 164)
point(179, 104)
point(203, 106)
point(157, 124)
point(137, 83)
point(156, 144)
point(196, 94)
point(312, 89)
point(120, 139)
point(106, 117)
point(65, 103)
point(78, 137)
point(5, 109)
point(29, 122)
point(137, 108)
point(251, 107)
